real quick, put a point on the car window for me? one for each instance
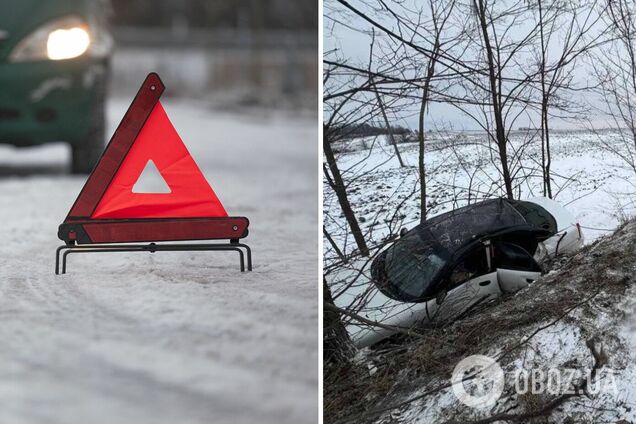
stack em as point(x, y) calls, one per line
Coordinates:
point(512, 256)
point(471, 265)
point(406, 269)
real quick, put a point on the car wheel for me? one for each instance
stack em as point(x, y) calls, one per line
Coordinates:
point(84, 155)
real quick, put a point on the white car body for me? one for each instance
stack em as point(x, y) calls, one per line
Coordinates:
point(365, 300)
point(569, 237)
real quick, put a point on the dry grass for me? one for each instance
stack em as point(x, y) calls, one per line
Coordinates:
point(605, 266)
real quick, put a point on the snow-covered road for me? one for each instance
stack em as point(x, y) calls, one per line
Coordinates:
point(168, 337)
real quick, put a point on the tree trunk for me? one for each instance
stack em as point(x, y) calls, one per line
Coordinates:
point(341, 193)
point(543, 177)
point(545, 130)
point(337, 347)
point(388, 127)
point(500, 131)
point(421, 139)
point(548, 157)
point(421, 165)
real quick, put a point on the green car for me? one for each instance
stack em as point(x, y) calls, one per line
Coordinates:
point(54, 58)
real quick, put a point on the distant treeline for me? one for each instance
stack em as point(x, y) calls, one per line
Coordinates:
point(290, 15)
point(367, 130)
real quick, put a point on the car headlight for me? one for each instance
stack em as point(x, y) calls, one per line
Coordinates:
point(67, 43)
point(63, 38)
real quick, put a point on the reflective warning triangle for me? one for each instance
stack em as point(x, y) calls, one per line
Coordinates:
point(108, 211)
point(144, 134)
point(190, 194)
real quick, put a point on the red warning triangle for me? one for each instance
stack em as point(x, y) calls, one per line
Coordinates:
point(190, 194)
point(108, 211)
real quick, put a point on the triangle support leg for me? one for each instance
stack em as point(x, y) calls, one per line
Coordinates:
point(62, 252)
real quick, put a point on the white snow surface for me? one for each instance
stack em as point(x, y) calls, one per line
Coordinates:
point(166, 337)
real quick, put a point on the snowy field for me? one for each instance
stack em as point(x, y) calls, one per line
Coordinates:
point(594, 185)
point(167, 337)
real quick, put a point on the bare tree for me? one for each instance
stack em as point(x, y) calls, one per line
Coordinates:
point(575, 22)
point(337, 184)
point(499, 54)
point(337, 347)
point(415, 74)
point(352, 97)
point(614, 69)
point(381, 105)
point(441, 12)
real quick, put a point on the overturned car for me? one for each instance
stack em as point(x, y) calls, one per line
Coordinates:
point(442, 268)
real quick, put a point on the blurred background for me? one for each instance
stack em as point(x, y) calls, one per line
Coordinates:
point(62, 62)
point(232, 52)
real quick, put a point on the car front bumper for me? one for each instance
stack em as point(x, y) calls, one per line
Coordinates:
point(48, 101)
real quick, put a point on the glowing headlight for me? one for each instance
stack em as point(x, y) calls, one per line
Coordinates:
point(63, 38)
point(67, 43)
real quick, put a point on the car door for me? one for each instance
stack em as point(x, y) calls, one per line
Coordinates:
point(463, 298)
point(516, 268)
point(471, 282)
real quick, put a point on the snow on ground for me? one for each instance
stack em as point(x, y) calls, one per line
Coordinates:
point(594, 185)
point(168, 337)
point(542, 336)
point(558, 356)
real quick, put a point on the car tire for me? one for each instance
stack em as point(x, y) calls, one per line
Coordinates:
point(84, 155)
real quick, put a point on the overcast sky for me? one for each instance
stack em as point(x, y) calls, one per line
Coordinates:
point(350, 36)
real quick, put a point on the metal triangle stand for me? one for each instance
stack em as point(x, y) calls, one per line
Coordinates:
point(64, 251)
point(83, 234)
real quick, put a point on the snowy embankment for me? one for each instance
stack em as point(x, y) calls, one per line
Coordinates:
point(585, 300)
point(577, 318)
point(167, 337)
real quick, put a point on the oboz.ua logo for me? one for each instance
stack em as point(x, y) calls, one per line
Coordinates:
point(478, 381)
